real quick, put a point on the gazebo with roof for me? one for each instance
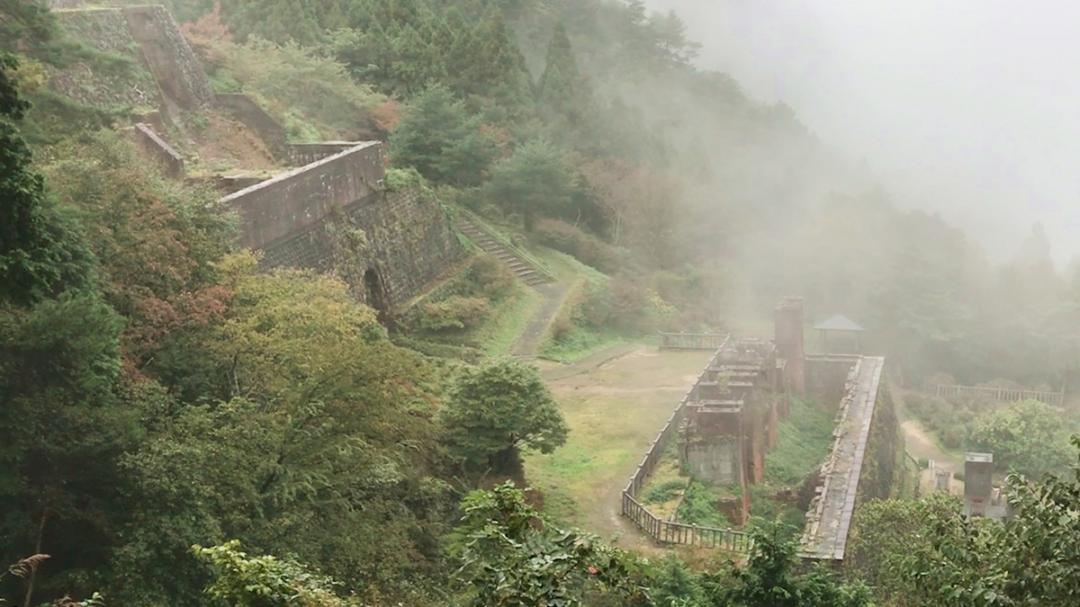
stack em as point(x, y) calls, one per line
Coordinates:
point(840, 335)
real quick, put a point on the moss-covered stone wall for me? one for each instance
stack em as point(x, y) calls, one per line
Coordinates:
point(883, 473)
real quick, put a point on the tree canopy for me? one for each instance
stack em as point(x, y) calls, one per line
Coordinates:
point(497, 409)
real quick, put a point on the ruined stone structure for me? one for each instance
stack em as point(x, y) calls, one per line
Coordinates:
point(666, 530)
point(172, 163)
point(730, 419)
point(168, 75)
point(978, 482)
point(788, 327)
point(244, 109)
point(405, 238)
point(332, 212)
point(829, 519)
point(167, 55)
point(981, 498)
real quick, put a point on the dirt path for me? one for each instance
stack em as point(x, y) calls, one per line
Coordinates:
point(553, 294)
point(920, 444)
point(554, 371)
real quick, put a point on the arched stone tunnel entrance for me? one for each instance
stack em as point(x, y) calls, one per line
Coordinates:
point(375, 292)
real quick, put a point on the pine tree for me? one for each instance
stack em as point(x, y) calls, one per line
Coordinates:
point(484, 60)
point(562, 91)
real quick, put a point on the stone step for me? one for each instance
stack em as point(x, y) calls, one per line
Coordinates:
point(521, 268)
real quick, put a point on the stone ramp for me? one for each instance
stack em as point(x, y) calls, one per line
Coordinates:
point(829, 519)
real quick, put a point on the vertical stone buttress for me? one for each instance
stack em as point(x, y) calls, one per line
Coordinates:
point(788, 323)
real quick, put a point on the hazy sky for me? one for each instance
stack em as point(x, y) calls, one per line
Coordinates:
point(970, 107)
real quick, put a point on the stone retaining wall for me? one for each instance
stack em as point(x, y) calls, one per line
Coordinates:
point(167, 55)
point(300, 154)
point(163, 64)
point(298, 199)
point(400, 241)
point(157, 148)
point(251, 115)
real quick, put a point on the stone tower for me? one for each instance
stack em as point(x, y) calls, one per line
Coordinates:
point(788, 323)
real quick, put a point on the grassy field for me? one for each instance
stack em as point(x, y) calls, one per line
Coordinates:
point(579, 343)
point(614, 413)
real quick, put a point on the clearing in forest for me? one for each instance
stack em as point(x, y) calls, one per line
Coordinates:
point(614, 412)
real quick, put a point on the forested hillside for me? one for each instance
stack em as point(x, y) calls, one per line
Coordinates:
point(179, 428)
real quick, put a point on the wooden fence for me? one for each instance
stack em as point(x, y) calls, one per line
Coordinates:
point(1056, 399)
point(670, 532)
point(692, 341)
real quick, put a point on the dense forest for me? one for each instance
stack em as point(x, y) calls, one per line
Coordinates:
point(178, 427)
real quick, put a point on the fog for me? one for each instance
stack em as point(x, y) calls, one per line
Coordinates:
point(967, 107)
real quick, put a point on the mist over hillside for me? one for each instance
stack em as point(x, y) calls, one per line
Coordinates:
point(966, 108)
point(506, 303)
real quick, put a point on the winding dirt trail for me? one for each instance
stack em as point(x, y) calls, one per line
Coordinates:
point(921, 445)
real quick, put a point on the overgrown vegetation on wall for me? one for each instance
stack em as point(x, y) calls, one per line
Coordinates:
point(883, 473)
point(311, 95)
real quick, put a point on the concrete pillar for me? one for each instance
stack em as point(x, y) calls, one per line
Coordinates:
point(978, 487)
point(788, 324)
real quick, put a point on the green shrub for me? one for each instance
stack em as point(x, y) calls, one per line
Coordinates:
point(664, 491)
point(454, 313)
point(488, 278)
point(952, 438)
point(439, 350)
point(699, 505)
point(562, 327)
point(572, 240)
point(625, 305)
point(1029, 436)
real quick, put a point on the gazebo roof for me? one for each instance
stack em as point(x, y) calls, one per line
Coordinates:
point(839, 323)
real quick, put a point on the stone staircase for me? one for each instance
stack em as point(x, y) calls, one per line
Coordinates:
point(524, 269)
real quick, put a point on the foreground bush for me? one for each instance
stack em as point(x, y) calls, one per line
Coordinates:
point(454, 313)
